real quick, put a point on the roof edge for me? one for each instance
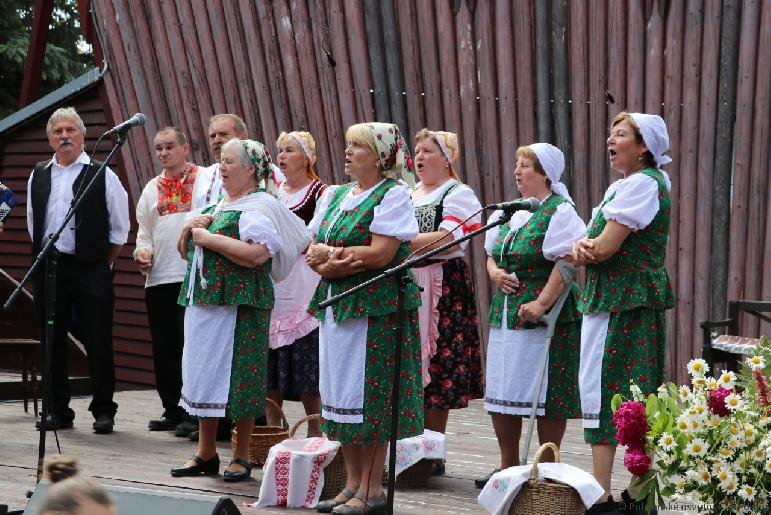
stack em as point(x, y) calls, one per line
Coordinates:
point(55, 97)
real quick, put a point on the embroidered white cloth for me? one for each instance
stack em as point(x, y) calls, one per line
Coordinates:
point(429, 278)
point(342, 368)
point(207, 359)
point(294, 472)
point(504, 486)
point(594, 332)
point(514, 349)
point(431, 445)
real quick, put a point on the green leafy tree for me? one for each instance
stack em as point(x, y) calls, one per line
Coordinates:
point(67, 54)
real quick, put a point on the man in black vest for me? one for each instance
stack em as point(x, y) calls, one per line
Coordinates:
point(87, 249)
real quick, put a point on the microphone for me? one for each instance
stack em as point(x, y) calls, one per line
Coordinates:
point(529, 204)
point(137, 119)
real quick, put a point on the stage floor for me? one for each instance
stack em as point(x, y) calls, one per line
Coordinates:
point(133, 456)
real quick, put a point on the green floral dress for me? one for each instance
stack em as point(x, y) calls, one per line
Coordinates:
point(225, 284)
point(624, 301)
point(515, 347)
point(356, 350)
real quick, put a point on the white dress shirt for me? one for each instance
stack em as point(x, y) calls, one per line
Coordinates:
point(62, 179)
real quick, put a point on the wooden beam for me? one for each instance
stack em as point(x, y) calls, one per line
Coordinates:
point(560, 85)
point(724, 145)
point(542, 72)
point(36, 53)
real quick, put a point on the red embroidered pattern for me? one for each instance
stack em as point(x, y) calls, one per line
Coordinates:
point(175, 195)
point(282, 477)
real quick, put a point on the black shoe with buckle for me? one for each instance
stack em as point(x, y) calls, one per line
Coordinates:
point(481, 482)
point(372, 506)
point(210, 467)
point(327, 505)
point(55, 422)
point(185, 428)
point(233, 477)
point(163, 424)
point(103, 424)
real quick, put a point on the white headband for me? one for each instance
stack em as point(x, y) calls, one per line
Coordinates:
point(553, 163)
point(442, 147)
point(301, 141)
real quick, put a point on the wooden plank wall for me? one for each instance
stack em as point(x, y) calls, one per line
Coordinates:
point(473, 67)
point(19, 151)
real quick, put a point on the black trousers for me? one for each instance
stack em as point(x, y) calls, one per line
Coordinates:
point(167, 329)
point(84, 305)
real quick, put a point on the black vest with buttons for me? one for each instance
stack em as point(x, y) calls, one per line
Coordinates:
point(92, 220)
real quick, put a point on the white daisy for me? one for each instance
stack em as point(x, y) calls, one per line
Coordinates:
point(756, 362)
point(667, 441)
point(684, 392)
point(727, 380)
point(697, 447)
point(697, 367)
point(729, 485)
point(747, 492)
point(734, 402)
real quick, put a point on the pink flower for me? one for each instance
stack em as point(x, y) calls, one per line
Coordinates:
point(636, 461)
point(631, 424)
point(716, 401)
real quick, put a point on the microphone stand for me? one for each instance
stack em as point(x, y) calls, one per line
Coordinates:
point(49, 255)
point(402, 280)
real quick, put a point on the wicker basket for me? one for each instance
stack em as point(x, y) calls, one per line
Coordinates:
point(334, 473)
point(546, 497)
point(414, 476)
point(263, 438)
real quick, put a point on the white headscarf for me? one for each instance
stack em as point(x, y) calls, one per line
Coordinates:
point(553, 163)
point(654, 134)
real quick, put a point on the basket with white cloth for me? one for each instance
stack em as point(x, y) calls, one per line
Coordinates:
point(295, 471)
point(543, 489)
point(414, 458)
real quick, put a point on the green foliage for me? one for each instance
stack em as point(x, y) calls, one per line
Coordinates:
point(67, 54)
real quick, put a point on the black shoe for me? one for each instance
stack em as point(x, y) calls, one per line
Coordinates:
point(193, 436)
point(210, 467)
point(163, 424)
point(326, 506)
point(633, 506)
point(103, 424)
point(439, 468)
point(481, 482)
point(54, 421)
point(233, 477)
point(185, 428)
point(610, 507)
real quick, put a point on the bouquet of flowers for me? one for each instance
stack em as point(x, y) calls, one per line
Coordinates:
point(709, 442)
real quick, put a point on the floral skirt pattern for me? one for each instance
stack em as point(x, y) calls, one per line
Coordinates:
point(562, 396)
point(294, 369)
point(246, 397)
point(634, 350)
point(376, 427)
point(456, 368)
